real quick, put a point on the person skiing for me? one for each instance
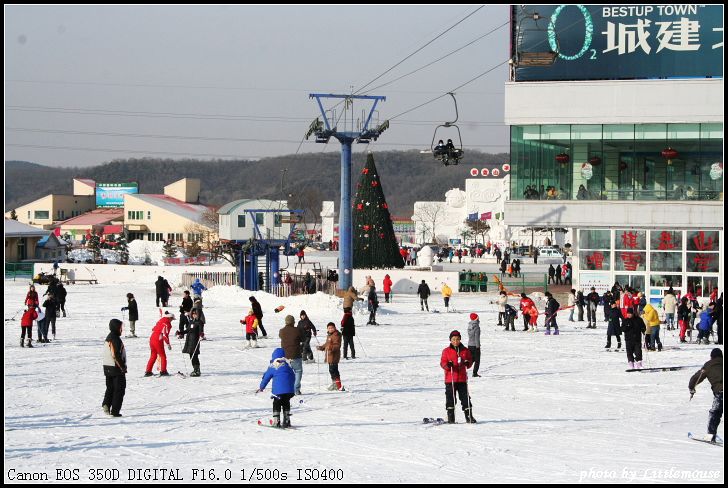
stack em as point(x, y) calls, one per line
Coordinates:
point(193, 329)
point(291, 339)
point(683, 317)
point(653, 321)
point(502, 300)
point(184, 310)
point(510, 317)
point(160, 336)
point(307, 330)
point(372, 305)
point(163, 290)
point(61, 297)
point(669, 304)
point(251, 328)
point(198, 287)
point(446, 294)
point(455, 361)
point(713, 370)
point(592, 301)
point(552, 307)
point(259, 315)
point(474, 342)
point(525, 303)
point(114, 363)
point(348, 331)
point(26, 325)
point(423, 291)
point(51, 311)
point(133, 313)
point(31, 298)
point(350, 296)
point(613, 326)
point(283, 377)
point(332, 346)
point(387, 287)
point(633, 327)
point(704, 326)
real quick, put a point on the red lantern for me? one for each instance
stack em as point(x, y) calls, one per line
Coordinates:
point(595, 161)
point(669, 154)
point(360, 207)
point(384, 205)
point(381, 235)
point(562, 158)
point(367, 227)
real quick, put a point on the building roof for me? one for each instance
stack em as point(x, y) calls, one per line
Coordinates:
point(100, 216)
point(189, 211)
point(13, 228)
point(261, 204)
point(87, 182)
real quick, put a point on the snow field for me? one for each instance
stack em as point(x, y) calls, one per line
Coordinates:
point(549, 409)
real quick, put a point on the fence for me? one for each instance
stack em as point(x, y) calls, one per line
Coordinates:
point(210, 278)
point(299, 285)
point(481, 282)
point(18, 269)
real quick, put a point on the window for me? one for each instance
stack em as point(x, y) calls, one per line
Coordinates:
point(149, 216)
point(260, 218)
point(277, 220)
point(241, 220)
point(170, 237)
point(41, 215)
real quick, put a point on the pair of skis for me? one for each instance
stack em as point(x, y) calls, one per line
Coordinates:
point(717, 442)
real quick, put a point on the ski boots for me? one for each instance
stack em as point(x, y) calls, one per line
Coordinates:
point(164, 373)
point(148, 373)
point(548, 332)
point(276, 420)
point(450, 415)
point(30, 343)
point(22, 343)
point(556, 332)
point(286, 419)
point(332, 387)
point(107, 410)
point(469, 416)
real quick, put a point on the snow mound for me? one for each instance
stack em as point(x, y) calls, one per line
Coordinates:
point(237, 297)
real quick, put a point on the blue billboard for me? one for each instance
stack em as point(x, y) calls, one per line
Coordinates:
point(598, 42)
point(111, 195)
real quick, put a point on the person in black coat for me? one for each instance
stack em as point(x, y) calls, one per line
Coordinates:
point(552, 307)
point(580, 302)
point(423, 291)
point(552, 273)
point(307, 330)
point(607, 300)
point(614, 325)
point(592, 302)
point(61, 290)
point(258, 312)
point(557, 273)
point(51, 311)
point(193, 328)
point(133, 313)
point(162, 287)
point(633, 327)
point(348, 331)
point(114, 363)
point(373, 305)
point(184, 310)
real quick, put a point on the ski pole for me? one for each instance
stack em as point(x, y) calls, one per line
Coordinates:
point(179, 340)
point(362, 347)
point(452, 385)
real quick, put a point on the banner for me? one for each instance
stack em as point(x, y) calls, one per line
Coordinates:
point(486, 216)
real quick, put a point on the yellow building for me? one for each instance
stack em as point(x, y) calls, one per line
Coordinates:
point(45, 212)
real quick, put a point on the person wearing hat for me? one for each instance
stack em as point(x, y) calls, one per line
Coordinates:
point(133, 313)
point(259, 315)
point(332, 346)
point(283, 377)
point(26, 324)
point(184, 311)
point(526, 304)
point(160, 336)
point(592, 300)
point(613, 326)
point(307, 330)
point(197, 305)
point(713, 370)
point(456, 360)
point(193, 329)
point(114, 370)
point(291, 339)
point(633, 327)
point(474, 342)
point(423, 291)
point(348, 332)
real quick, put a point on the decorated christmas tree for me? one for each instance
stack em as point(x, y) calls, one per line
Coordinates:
point(375, 245)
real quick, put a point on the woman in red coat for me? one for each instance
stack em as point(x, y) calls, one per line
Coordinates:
point(160, 335)
point(455, 360)
point(387, 287)
point(31, 299)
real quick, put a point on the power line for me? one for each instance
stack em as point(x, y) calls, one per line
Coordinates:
point(93, 149)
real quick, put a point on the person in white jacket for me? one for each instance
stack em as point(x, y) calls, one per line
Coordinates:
point(669, 304)
point(502, 300)
point(572, 303)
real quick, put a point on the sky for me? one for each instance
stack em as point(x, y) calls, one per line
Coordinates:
point(85, 85)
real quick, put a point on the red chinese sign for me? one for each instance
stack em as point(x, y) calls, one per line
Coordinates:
point(631, 260)
point(629, 240)
point(596, 260)
point(703, 262)
point(666, 242)
point(701, 244)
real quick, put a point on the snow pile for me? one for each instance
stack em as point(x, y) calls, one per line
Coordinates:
point(235, 297)
point(139, 250)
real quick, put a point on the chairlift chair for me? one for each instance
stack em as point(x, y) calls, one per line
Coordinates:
point(535, 55)
point(453, 154)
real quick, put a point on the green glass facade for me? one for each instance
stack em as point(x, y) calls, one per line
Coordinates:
point(616, 162)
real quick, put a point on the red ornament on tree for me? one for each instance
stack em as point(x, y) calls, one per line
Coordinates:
point(381, 235)
point(367, 227)
point(365, 171)
point(375, 183)
point(384, 205)
point(360, 207)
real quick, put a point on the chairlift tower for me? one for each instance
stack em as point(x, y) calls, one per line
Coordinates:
point(362, 134)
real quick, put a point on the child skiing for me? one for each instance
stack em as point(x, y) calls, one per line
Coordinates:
point(251, 328)
point(160, 336)
point(283, 379)
point(26, 324)
point(332, 346)
point(455, 361)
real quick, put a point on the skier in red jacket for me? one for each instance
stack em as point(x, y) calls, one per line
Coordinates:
point(26, 324)
point(526, 304)
point(455, 360)
point(160, 335)
point(388, 287)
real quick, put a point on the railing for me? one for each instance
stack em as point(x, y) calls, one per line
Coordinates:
point(299, 286)
point(18, 269)
point(470, 282)
point(210, 278)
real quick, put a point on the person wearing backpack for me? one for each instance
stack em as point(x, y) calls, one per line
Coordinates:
point(552, 307)
point(510, 317)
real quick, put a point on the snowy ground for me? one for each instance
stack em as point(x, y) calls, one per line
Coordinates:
point(549, 409)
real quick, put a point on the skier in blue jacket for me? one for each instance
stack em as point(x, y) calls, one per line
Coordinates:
point(284, 378)
point(198, 287)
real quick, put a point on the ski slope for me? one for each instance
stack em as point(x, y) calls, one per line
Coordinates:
point(549, 408)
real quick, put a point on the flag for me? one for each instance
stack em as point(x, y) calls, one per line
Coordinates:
point(473, 216)
point(486, 216)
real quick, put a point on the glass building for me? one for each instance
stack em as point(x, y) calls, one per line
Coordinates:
point(619, 138)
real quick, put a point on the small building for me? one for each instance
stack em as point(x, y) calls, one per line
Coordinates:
point(237, 220)
point(51, 248)
point(46, 212)
point(21, 241)
point(100, 221)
